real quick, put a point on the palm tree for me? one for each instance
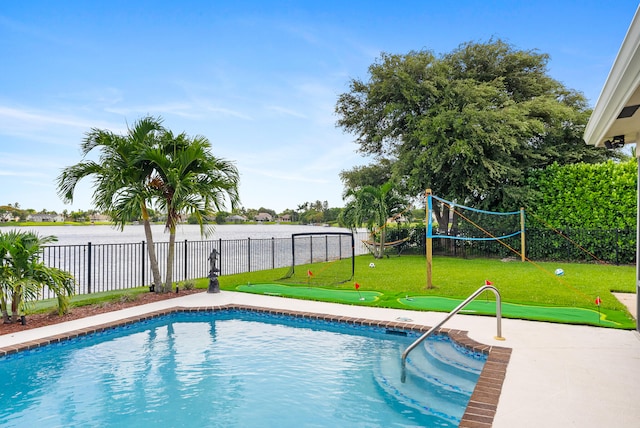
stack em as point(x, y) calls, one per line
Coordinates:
point(372, 205)
point(189, 180)
point(23, 274)
point(121, 177)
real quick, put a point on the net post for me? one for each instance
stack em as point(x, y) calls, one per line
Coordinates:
point(429, 240)
point(293, 254)
point(522, 237)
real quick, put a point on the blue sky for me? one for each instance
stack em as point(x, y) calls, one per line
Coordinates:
point(260, 79)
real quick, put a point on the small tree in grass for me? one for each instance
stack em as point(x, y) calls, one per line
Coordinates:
point(372, 205)
point(23, 275)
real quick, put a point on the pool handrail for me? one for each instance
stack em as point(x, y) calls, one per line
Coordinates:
point(451, 314)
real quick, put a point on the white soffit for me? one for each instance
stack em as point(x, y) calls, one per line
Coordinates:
point(620, 91)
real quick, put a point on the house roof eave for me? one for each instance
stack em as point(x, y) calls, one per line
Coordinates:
point(621, 89)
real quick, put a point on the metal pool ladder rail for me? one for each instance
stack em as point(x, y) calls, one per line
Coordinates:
point(451, 314)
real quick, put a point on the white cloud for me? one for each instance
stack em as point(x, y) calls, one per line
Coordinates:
point(108, 96)
point(177, 108)
point(40, 118)
point(228, 112)
point(49, 127)
point(194, 110)
point(286, 112)
point(336, 158)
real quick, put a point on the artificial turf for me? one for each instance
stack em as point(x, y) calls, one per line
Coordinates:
point(529, 290)
point(481, 306)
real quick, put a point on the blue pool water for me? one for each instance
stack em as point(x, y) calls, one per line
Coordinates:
point(238, 369)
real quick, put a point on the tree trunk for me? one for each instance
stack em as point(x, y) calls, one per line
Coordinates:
point(15, 304)
point(454, 224)
point(380, 249)
point(151, 250)
point(442, 218)
point(443, 227)
point(5, 312)
point(170, 256)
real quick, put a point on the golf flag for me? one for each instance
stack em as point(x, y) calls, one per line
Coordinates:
point(598, 301)
point(487, 282)
point(357, 286)
point(309, 273)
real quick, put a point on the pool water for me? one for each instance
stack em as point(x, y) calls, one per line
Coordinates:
point(238, 369)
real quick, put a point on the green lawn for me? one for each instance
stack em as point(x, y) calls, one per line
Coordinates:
point(49, 305)
point(528, 290)
point(525, 284)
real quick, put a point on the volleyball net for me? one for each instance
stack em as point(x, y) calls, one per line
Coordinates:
point(447, 219)
point(465, 229)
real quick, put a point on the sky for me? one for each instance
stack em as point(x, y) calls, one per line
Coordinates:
point(260, 79)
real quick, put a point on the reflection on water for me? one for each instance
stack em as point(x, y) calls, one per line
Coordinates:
point(103, 234)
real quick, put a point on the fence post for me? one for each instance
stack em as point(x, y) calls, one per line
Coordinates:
point(142, 263)
point(220, 253)
point(184, 278)
point(248, 254)
point(273, 253)
point(326, 248)
point(89, 268)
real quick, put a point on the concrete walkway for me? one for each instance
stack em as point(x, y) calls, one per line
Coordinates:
point(630, 301)
point(558, 376)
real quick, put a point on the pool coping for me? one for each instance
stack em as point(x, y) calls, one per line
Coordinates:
point(480, 410)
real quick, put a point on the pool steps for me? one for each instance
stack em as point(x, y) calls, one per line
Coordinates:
point(435, 379)
point(463, 359)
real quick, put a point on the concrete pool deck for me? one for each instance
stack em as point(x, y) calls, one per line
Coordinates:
point(558, 375)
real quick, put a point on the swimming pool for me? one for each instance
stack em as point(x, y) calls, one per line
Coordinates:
point(236, 368)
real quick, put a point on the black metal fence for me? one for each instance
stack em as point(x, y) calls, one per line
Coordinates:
point(107, 267)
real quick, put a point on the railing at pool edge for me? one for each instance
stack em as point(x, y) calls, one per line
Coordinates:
point(458, 308)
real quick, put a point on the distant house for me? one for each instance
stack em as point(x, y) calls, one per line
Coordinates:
point(4, 217)
point(99, 217)
point(285, 218)
point(261, 217)
point(45, 217)
point(235, 219)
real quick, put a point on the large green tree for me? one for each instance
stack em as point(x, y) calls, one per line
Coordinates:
point(120, 177)
point(374, 174)
point(471, 125)
point(187, 180)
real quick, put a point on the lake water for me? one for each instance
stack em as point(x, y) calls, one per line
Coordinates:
point(104, 234)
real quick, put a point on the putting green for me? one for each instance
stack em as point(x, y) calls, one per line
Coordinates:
point(566, 315)
point(480, 306)
point(313, 293)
